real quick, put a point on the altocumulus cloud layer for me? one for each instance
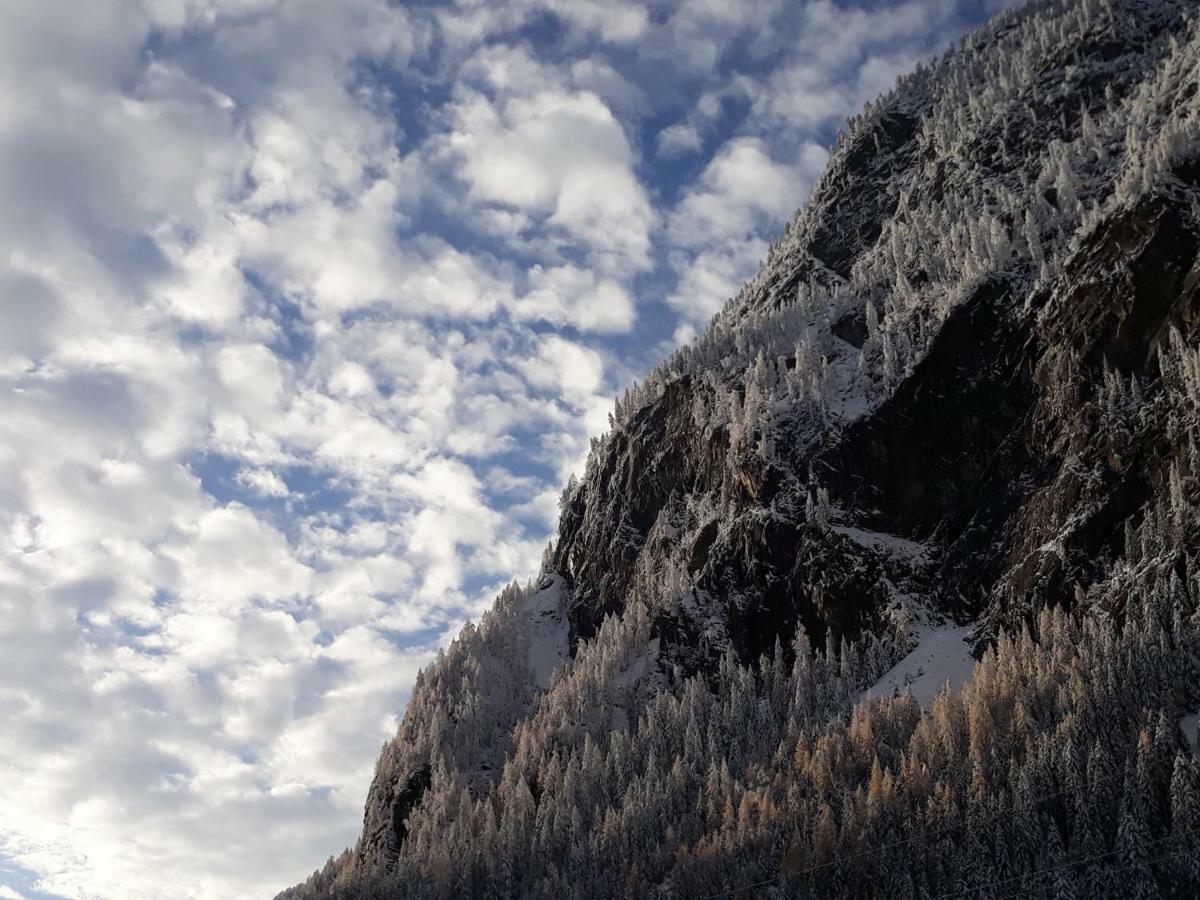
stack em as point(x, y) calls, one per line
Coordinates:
point(306, 311)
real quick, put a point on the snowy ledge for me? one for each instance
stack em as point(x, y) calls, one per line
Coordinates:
point(942, 655)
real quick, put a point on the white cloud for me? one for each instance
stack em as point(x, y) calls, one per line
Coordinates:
point(716, 232)
point(563, 157)
point(621, 95)
point(230, 557)
point(741, 183)
point(263, 483)
point(280, 392)
point(467, 24)
point(351, 379)
point(617, 22)
point(678, 139)
point(565, 368)
point(569, 295)
point(207, 286)
point(184, 237)
point(847, 56)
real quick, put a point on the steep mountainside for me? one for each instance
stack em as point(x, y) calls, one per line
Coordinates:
point(963, 390)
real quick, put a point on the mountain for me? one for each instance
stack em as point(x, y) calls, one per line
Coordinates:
point(887, 585)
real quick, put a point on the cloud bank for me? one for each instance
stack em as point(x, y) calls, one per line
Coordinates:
point(307, 310)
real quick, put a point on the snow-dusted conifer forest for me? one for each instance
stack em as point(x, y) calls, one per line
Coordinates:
point(887, 585)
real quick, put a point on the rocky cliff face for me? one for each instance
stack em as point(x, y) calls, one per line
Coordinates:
point(947, 394)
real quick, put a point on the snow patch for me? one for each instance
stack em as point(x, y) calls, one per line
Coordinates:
point(942, 654)
point(547, 630)
point(848, 398)
point(885, 543)
point(635, 670)
point(1189, 724)
point(625, 687)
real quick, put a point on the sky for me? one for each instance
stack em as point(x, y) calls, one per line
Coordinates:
point(308, 309)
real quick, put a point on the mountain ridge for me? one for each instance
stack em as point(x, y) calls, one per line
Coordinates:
point(961, 387)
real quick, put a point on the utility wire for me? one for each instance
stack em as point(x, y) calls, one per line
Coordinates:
point(951, 895)
point(1009, 813)
point(1149, 862)
point(1001, 815)
point(975, 889)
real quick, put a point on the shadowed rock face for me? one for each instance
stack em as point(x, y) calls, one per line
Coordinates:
point(1131, 282)
point(953, 457)
point(860, 195)
point(949, 482)
point(925, 462)
point(1132, 279)
point(605, 527)
point(407, 799)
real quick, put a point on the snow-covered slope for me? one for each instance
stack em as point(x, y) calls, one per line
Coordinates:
point(941, 657)
point(1190, 726)
point(544, 611)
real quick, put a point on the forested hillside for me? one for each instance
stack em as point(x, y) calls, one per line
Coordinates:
point(960, 398)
